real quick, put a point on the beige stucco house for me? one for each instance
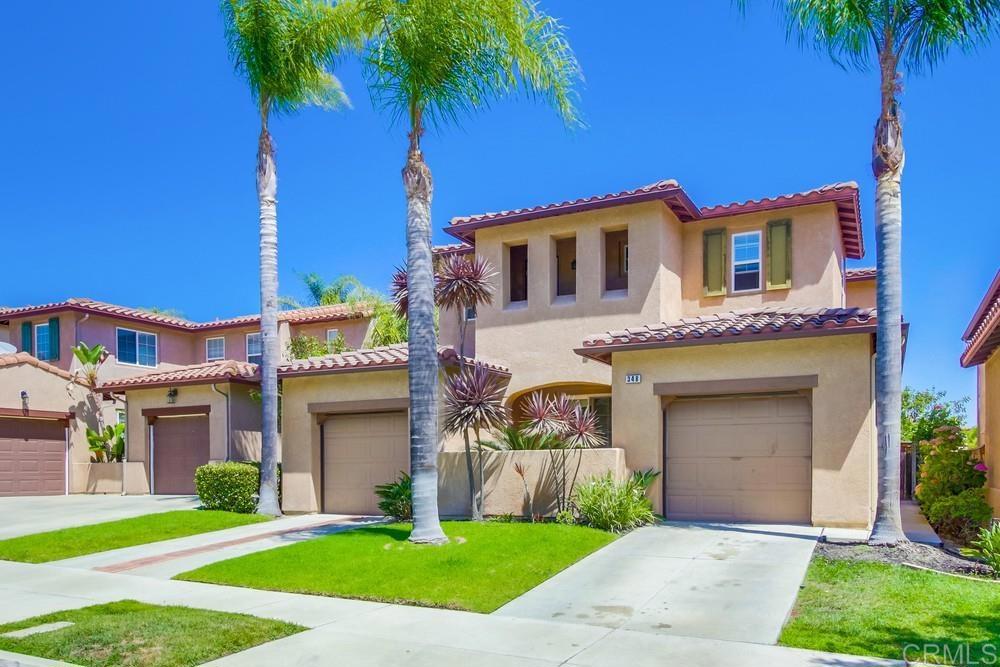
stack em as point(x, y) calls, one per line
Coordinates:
point(982, 342)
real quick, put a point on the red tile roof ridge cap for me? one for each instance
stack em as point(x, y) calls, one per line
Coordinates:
point(822, 189)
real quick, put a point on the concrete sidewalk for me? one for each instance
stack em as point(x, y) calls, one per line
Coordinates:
point(362, 633)
point(169, 558)
point(734, 582)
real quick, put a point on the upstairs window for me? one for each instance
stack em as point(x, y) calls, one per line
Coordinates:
point(746, 262)
point(42, 342)
point(215, 349)
point(470, 314)
point(331, 339)
point(566, 266)
point(616, 261)
point(255, 348)
point(517, 261)
point(136, 348)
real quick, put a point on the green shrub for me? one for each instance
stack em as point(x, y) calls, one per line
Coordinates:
point(948, 467)
point(987, 547)
point(506, 517)
point(614, 506)
point(396, 498)
point(230, 486)
point(565, 517)
point(961, 516)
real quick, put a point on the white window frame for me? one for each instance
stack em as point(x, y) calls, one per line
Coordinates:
point(209, 358)
point(156, 348)
point(261, 355)
point(330, 340)
point(36, 347)
point(759, 261)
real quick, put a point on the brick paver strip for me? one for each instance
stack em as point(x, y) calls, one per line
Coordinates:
point(173, 555)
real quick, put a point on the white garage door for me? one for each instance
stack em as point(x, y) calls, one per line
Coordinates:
point(361, 451)
point(745, 458)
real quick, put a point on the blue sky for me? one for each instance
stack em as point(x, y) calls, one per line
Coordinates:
point(130, 154)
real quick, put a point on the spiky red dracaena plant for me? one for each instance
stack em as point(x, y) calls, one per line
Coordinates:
point(473, 398)
point(399, 291)
point(583, 429)
point(541, 416)
point(464, 282)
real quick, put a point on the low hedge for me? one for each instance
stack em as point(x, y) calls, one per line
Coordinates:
point(231, 487)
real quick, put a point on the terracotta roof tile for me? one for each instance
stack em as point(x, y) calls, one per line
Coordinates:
point(379, 358)
point(296, 316)
point(451, 249)
point(726, 327)
point(213, 372)
point(843, 195)
point(865, 273)
point(982, 336)
point(18, 358)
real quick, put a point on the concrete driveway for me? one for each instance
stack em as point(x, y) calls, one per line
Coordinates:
point(37, 514)
point(734, 582)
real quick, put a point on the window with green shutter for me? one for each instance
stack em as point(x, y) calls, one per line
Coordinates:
point(714, 262)
point(779, 254)
point(54, 339)
point(27, 337)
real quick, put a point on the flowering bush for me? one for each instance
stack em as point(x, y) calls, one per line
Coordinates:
point(952, 478)
point(961, 517)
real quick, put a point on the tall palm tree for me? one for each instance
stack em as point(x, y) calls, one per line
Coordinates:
point(428, 63)
point(894, 36)
point(282, 48)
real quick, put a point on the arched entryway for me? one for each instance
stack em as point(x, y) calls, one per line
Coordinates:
point(594, 395)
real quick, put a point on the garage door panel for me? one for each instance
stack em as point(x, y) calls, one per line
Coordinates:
point(739, 459)
point(360, 452)
point(32, 457)
point(180, 446)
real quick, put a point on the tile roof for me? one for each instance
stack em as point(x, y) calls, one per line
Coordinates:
point(451, 249)
point(843, 195)
point(296, 316)
point(18, 358)
point(731, 327)
point(379, 358)
point(210, 373)
point(865, 273)
point(982, 336)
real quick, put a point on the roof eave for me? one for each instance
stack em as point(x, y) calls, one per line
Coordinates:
point(163, 384)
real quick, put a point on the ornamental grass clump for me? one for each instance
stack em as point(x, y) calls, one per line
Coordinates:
point(615, 506)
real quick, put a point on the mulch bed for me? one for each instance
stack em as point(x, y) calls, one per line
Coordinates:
point(913, 553)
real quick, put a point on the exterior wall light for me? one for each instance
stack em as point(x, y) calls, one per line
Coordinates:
point(172, 395)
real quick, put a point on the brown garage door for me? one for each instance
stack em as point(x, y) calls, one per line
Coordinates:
point(32, 457)
point(740, 459)
point(360, 451)
point(180, 445)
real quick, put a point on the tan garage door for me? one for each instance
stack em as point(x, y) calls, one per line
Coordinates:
point(32, 457)
point(180, 445)
point(740, 459)
point(360, 451)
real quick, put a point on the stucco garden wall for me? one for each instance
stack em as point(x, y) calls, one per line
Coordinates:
point(843, 420)
point(504, 488)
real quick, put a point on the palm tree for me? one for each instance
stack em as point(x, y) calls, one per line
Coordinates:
point(892, 35)
point(429, 62)
point(342, 289)
point(282, 48)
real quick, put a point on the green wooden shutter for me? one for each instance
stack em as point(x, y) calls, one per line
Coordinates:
point(779, 254)
point(54, 339)
point(27, 339)
point(714, 262)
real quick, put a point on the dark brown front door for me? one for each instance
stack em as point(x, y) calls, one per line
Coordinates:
point(180, 445)
point(32, 457)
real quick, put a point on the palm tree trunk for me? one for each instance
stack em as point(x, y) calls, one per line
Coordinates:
point(473, 505)
point(887, 163)
point(267, 192)
point(423, 358)
point(481, 497)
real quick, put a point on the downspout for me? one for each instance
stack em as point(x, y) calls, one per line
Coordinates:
point(215, 388)
point(124, 400)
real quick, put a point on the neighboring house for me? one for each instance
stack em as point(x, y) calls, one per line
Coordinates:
point(144, 344)
point(982, 341)
point(860, 288)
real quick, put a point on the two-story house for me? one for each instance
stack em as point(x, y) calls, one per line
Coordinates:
point(726, 346)
point(194, 378)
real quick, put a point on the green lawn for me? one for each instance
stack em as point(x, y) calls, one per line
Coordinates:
point(482, 567)
point(133, 633)
point(877, 609)
point(82, 540)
